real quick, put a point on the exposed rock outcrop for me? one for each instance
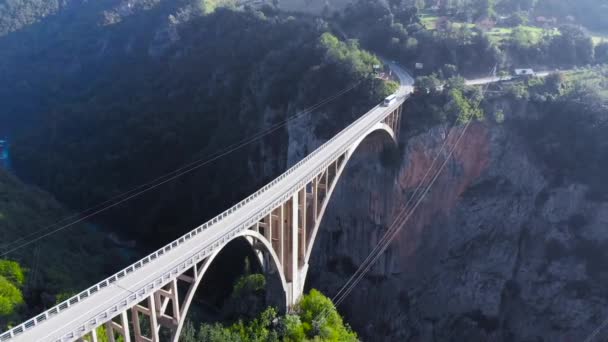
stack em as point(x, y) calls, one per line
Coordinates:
point(494, 252)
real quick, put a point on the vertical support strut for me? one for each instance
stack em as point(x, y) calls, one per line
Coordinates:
point(315, 200)
point(281, 251)
point(398, 124)
point(295, 282)
point(110, 331)
point(302, 228)
point(153, 319)
point(125, 326)
point(136, 325)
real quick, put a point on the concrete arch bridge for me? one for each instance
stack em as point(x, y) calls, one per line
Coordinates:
point(280, 221)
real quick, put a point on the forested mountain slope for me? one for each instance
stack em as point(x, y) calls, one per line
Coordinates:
point(104, 102)
point(60, 264)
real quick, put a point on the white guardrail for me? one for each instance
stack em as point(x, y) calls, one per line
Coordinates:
point(144, 291)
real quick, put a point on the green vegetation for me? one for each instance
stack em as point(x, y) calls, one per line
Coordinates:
point(51, 265)
point(398, 32)
point(16, 14)
point(348, 54)
point(249, 284)
point(595, 78)
point(208, 6)
point(474, 35)
point(442, 101)
point(11, 298)
point(428, 20)
point(564, 119)
point(527, 35)
point(314, 318)
point(103, 337)
point(590, 13)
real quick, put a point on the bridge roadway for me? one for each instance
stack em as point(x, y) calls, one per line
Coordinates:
point(110, 300)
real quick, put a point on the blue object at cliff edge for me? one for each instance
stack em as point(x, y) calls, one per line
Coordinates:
point(4, 154)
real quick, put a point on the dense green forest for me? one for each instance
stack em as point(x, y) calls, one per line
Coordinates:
point(470, 37)
point(313, 318)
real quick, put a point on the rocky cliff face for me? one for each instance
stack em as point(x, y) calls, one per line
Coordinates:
point(495, 251)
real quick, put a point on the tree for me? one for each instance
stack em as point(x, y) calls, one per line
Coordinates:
point(427, 84)
point(11, 299)
point(516, 19)
point(314, 319)
point(188, 333)
point(463, 108)
point(522, 37)
point(554, 83)
point(12, 272)
point(320, 318)
point(572, 47)
point(484, 9)
point(449, 70)
point(601, 52)
point(291, 329)
point(217, 333)
point(248, 297)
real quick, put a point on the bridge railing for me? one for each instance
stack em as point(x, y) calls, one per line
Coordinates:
point(139, 294)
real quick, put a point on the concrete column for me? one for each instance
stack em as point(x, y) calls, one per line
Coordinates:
point(315, 199)
point(175, 302)
point(125, 326)
point(110, 331)
point(281, 251)
point(153, 319)
point(269, 227)
point(302, 228)
point(398, 125)
point(94, 335)
point(295, 281)
point(136, 326)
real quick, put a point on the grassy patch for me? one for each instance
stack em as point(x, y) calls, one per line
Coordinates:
point(536, 34)
point(429, 21)
point(595, 77)
point(599, 37)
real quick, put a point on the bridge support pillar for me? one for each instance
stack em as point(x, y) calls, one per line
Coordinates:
point(293, 251)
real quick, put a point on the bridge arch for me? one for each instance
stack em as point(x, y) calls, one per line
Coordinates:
point(260, 240)
point(269, 260)
point(381, 128)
